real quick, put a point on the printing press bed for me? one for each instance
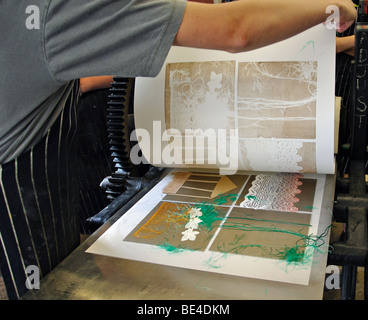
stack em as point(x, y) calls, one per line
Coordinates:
point(88, 276)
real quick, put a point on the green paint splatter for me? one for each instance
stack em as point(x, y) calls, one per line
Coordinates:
point(306, 246)
point(309, 207)
point(170, 248)
point(245, 217)
point(213, 261)
point(308, 44)
point(249, 227)
point(222, 199)
point(209, 216)
point(291, 254)
point(251, 197)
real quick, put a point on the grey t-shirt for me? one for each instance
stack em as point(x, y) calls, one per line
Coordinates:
point(75, 39)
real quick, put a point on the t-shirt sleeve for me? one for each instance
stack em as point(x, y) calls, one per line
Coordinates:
point(109, 37)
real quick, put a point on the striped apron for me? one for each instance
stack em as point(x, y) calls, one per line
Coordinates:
point(39, 204)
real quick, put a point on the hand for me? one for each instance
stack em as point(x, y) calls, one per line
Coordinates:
point(345, 45)
point(347, 14)
point(94, 83)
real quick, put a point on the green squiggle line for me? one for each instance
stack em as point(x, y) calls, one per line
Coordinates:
point(272, 221)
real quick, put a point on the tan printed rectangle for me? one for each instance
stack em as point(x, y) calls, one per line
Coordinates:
point(277, 99)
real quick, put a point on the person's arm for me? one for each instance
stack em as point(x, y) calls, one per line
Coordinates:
point(249, 24)
point(345, 44)
point(94, 83)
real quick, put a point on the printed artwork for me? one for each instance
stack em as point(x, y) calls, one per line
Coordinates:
point(178, 226)
point(261, 234)
point(202, 211)
point(255, 225)
point(197, 92)
point(200, 187)
point(282, 192)
point(272, 104)
point(277, 99)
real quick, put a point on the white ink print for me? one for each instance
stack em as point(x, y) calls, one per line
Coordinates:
point(201, 95)
point(274, 192)
point(189, 234)
point(193, 223)
point(215, 81)
point(195, 212)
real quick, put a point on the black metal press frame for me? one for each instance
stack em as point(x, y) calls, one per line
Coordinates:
point(351, 200)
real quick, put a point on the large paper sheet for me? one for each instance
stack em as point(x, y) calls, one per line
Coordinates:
point(242, 225)
point(270, 109)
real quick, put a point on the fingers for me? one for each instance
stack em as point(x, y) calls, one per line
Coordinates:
point(345, 26)
point(348, 15)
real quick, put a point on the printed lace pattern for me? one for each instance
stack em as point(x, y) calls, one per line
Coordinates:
point(274, 155)
point(273, 192)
